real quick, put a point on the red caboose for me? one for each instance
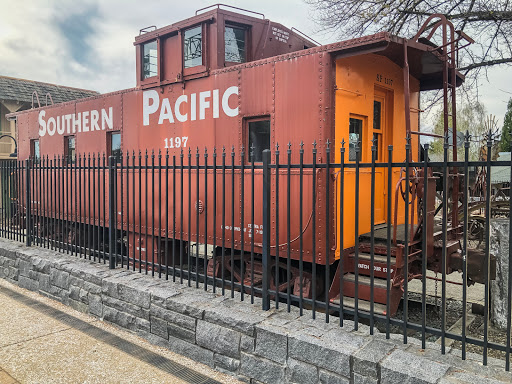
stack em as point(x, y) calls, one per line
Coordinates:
point(225, 79)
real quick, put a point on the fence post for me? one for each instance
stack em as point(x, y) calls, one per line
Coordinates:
point(111, 212)
point(266, 231)
point(27, 203)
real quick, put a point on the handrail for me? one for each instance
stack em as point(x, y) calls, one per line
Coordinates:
point(218, 5)
point(37, 98)
point(306, 36)
point(46, 98)
point(146, 30)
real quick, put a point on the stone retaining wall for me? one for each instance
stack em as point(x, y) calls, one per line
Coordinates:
point(499, 288)
point(234, 336)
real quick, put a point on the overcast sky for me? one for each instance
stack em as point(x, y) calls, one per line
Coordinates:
point(89, 43)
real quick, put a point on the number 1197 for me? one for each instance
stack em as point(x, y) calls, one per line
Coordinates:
point(175, 142)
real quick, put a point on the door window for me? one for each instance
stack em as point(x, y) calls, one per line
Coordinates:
point(355, 138)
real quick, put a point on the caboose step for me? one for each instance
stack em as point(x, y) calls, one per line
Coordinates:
point(362, 305)
point(364, 290)
point(365, 280)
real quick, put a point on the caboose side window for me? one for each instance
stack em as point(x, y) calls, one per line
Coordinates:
point(114, 146)
point(355, 137)
point(193, 47)
point(149, 60)
point(259, 137)
point(35, 152)
point(234, 45)
point(70, 148)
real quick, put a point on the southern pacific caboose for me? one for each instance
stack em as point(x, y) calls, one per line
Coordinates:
point(224, 79)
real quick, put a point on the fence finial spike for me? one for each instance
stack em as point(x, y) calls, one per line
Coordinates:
point(301, 144)
point(314, 144)
point(223, 149)
point(289, 145)
point(343, 143)
point(327, 143)
point(277, 146)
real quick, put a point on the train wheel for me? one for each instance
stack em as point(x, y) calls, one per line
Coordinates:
point(253, 274)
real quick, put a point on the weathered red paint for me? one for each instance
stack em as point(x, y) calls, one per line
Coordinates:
point(291, 85)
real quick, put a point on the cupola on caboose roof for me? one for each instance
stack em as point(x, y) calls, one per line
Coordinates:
point(214, 38)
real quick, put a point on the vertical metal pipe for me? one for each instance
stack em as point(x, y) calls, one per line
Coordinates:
point(205, 259)
point(465, 244)
point(89, 216)
point(313, 227)
point(197, 218)
point(223, 218)
point(189, 252)
point(232, 221)
point(159, 234)
point(266, 230)
point(342, 218)
point(146, 198)
point(488, 214)
point(140, 213)
point(93, 248)
point(173, 261)
point(104, 233)
point(388, 242)
point(444, 241)
point(406, 236)
point(242, 229)
point(288, 223)
point(152, 214)
point(134, 244)
point(276, 209)
point(372, 237)
point(27, 203)
point(252, 224)
point(79, 202)
point(166, 252)
point(327, 227)
point(120, 211)
point(357, 149)
point(111, 213)
point(424, 253)
point(181, 218)
point(214, 236)
point(301, 242)
point(127, 210)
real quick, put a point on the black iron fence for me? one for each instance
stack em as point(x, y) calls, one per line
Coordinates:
point(337, 235)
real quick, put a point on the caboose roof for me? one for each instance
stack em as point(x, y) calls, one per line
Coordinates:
point(424, 60)
point(425, 63)
point(21, 90)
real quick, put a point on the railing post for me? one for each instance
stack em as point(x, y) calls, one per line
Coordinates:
point(27, 203)
point(111, 211)
point(266, 231)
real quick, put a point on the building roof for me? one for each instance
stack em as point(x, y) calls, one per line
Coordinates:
point(21, 90)
point(501, 174)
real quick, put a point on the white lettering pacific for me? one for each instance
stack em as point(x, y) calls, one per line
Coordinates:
point(87, 121)
point(186, 107)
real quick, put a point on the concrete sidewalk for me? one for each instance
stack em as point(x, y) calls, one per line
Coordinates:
point(43, 341)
